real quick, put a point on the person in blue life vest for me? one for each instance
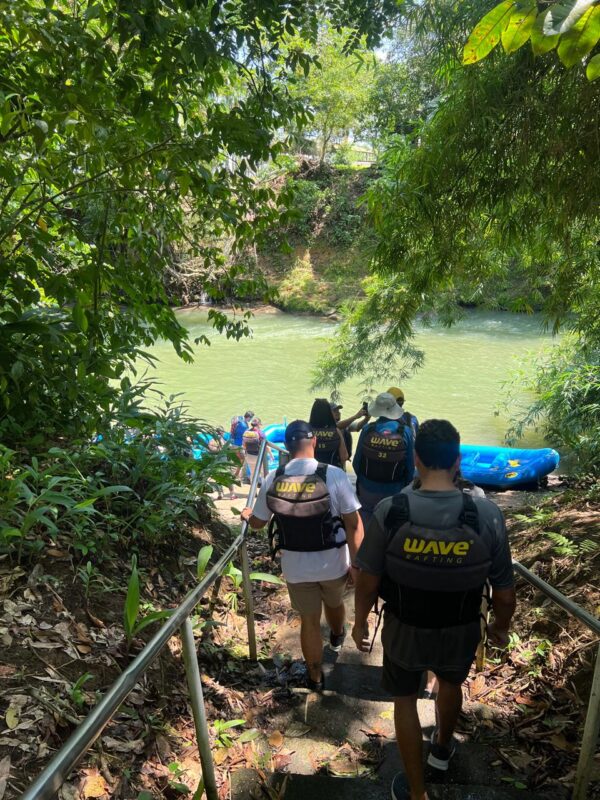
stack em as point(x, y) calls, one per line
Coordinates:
point(384, 461)
point(315, 526)
point(407, 418)
point(428, 552)
point(239, 426)
point(331, 447)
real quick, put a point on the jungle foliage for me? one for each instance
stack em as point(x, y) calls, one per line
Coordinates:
point(134, 487)
point(499, 183)
point(129, 129)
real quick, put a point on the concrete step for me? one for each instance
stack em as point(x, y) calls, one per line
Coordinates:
point(247, 784)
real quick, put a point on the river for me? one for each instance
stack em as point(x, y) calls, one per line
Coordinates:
point(270, 373)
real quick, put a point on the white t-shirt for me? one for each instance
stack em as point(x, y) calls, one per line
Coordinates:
point(324, 565)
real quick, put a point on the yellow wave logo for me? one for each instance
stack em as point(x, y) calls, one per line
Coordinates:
point(292, 486)
point(436, 547)
point(385, 441)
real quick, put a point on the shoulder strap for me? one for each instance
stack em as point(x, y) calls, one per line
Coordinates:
point(399, 512)
point(469, 514)
point(280, 471)
point(321, 472)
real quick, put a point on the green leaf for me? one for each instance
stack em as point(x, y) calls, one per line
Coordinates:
point(519, 27)
point(540, 43)
point(17, 370)
point(132, 603)
point(154, 616)
point(248, 736)
point(561, 17)
point(486, 34)
point(232, 723)
point(204, 557)
point(80, 317)
point(593, 68)
point(581, 39)
point(266, 578)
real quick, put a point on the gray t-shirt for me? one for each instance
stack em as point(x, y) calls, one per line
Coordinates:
point(446, 648)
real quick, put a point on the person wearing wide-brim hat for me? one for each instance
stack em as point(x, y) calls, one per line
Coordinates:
point(408, 418)
point(384, 460)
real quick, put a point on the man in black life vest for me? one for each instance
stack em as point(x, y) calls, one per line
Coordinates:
point(428, 552)
point(316, 527)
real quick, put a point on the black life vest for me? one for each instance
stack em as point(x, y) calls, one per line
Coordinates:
point(251, 442)
point(302, 519)
point(434, 578)
point(328, 446)
point(384, 455)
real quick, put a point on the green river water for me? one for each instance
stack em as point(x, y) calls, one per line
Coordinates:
point(462, 380)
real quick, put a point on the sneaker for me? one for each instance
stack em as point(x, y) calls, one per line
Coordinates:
point(336, 640)
point(400, 789)
point(439, 757)
point(315, 686)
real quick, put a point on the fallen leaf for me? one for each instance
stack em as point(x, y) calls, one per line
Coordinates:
point(220, 756)
point(477, 686)
point(68, 791)
point(558, 740)
point(135, 746)
point(281, 761)
point(51, 551)
point(276, 739)
point(94, 785)
point(297, 729)
point(6, 670)
point(4, 774)
point(389, 714)
point(525, 701)
point(12, 718)
point(84, 649)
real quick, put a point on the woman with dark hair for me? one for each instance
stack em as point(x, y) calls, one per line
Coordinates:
point(331, 448)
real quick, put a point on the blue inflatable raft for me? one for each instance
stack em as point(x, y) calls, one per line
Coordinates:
point(500, 467)
point(505, 467)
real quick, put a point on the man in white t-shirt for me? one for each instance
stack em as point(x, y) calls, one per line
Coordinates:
point(318, 532)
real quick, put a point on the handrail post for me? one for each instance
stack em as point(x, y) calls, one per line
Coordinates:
point(245, 562)
point(590, 736)
point(248, 601)
point(192, 672)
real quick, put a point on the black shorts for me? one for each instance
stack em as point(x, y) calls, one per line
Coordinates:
point(400, 682)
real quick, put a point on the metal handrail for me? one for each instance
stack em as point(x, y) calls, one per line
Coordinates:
point(50, 780)
point(572, 608)
point(591, 727)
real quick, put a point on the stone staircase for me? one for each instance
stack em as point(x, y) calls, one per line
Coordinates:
point(340, 745)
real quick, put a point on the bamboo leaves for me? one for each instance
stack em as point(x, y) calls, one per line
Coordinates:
point(573, 25)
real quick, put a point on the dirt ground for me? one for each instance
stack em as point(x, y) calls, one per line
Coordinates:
point(63, 644)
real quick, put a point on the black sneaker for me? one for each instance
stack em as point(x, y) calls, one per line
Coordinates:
point(336, 640)
point(400, 789)
point(439, 757)
point(315, 686)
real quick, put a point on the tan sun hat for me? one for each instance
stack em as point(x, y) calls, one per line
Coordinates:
point(385, 405)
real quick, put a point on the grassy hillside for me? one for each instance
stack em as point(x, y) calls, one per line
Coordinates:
point(320, 258)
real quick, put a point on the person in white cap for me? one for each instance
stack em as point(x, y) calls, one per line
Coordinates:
point(384, 458)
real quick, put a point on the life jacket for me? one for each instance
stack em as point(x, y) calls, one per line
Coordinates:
point(384, 452)
point(302, 520)
point(251, 442)
point(433, 578)
point(328, 446)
